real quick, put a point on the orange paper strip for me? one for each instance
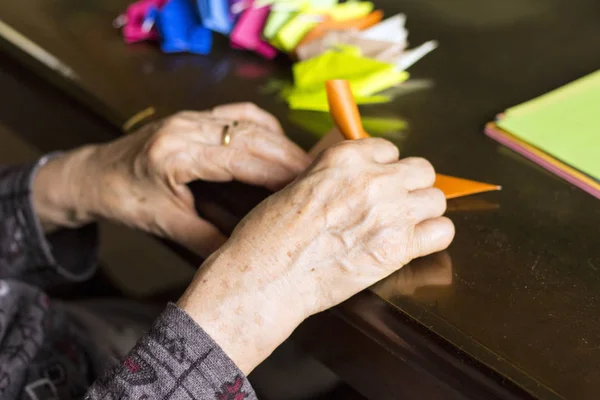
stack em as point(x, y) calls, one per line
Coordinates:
point(330, 24)
point(344, 110)
point(458, 187)
point(347, 118)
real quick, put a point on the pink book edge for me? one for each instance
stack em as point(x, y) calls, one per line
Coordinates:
point(498, 137)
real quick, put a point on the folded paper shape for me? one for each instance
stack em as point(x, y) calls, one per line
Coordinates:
point(381, 50)
point(281, 12)
point(236, 7)
point(330, 24)
point(376, 49)
point(410, 57)
point(347, 118)
point(247, 33)
point(216, 15)
point(390, 30)
point(344, 110)
point(350, 10)
point(290, 20)
point(136, 27)
point(276, 21)
point(367, 77)
point(457, 187)
point(180, 28)
point(299, 25)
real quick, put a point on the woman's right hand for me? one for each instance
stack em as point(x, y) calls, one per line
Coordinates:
point(354, 217)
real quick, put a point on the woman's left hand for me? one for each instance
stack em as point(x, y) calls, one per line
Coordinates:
point(140, 179)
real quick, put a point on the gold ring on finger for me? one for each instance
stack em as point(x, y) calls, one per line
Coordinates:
point(226, 138)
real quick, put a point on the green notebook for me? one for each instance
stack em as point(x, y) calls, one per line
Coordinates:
point(564, 123)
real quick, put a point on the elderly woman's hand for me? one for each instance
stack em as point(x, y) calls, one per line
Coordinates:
point(140, 179)
point(354, 217)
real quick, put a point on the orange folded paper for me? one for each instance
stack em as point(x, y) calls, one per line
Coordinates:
point(330, 24)
point(458, 187)
point(344, 110)
point(346, 116)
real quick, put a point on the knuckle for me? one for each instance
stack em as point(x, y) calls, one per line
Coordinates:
point(249, 107)
point(157, 147)
point(183, 114)
point(392, 148)
point(420, 163)
point(439, 198)
point(380, 142)
point(346, 150)
point(423, 166)
point(329, 156)
point(173, 123)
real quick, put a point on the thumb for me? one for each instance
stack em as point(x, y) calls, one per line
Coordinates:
point(196, 234)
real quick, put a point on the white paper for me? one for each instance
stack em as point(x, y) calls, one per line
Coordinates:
point(390, 30)
point(409, 57)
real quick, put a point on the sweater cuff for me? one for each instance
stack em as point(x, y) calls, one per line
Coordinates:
point(178, 360)
point(72, 254)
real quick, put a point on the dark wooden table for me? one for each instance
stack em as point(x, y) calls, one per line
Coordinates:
point(521, 316)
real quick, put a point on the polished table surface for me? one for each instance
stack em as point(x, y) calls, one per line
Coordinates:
point(519, 289)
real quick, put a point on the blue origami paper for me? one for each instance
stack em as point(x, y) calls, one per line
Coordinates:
point(181, 29)
point(216, 15)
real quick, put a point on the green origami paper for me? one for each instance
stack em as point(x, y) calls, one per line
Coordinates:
point(318, 101)
point(563, 123)
point(319, 123)
point(366, 76)
point(300, 23)
point(276, 20)
point(351, 10)
point(281, 13)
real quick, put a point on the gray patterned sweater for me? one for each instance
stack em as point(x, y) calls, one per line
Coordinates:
point(48, 352)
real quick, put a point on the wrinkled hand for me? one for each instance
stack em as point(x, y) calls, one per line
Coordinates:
point(140, 180)
point(354, 217)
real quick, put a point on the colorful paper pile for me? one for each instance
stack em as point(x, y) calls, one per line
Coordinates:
point(370, 54)
point(331, 39)
point(559, 131)
point(367, 77)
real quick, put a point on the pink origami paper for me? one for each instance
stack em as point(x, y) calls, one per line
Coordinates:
point(247, 33)
point(135, 15)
